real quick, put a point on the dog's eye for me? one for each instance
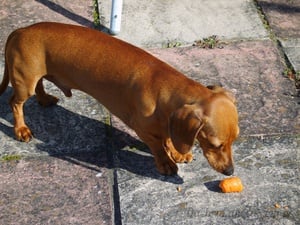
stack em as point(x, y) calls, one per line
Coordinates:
point(212, 146)
point(220, 146)
point(217, 147)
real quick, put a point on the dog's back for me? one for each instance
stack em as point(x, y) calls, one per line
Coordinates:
point(165, 108)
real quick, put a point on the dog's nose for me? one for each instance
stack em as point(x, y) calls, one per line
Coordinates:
point(228, 171)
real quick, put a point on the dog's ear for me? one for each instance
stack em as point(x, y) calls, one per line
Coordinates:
point(219, 89)
point(184, 126)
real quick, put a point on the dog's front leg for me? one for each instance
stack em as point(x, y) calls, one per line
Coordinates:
point(177, 156)
point(163, 160)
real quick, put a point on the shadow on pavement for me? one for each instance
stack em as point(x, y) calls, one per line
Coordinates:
point(280, 7)
point(213, 186)
point(72, 16)
point(81, 140)
point(68, 14)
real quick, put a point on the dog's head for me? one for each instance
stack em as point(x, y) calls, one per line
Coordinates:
point(214, 122)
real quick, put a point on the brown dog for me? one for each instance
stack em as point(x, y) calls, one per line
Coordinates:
point(167, 110)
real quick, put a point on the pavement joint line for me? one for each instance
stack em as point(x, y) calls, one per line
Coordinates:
point(222, 41)
point(113, 177)
point(264, 20)
point(107, 121)
point(269, 135)
point(273, 37)
point(284, 55)
point(115, 197)
point(112, 168)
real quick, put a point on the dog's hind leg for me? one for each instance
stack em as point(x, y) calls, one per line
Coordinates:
point(20, 95)
point(43, 98)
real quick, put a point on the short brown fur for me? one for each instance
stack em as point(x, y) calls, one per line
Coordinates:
point(167, 110)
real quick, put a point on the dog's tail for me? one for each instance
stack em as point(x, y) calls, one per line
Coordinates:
point(5, 80)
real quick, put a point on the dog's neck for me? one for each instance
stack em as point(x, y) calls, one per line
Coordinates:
point(186, 91)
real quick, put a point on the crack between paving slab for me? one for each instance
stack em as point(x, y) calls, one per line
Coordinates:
point(113, 179)
point(277, 42)
point(116, 219)
point(271, 135)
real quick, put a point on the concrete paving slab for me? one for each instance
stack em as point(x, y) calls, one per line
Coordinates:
point(46, 122)
point(292, 50)
point(74, 125)
point(47, 190)
point(253, 71)
point(268, 168)
point(184, 21)
point(75, 133)
point(284, 20)
point(267, 163)
point(20, 13)
point(283, 17)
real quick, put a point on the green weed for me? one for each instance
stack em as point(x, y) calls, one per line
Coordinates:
point(8, 158)
point(96, 14)
point(209, 42)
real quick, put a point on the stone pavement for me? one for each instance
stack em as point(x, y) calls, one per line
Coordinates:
point(285, 24)
point(84, 166)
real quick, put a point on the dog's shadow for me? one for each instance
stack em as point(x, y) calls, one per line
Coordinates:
point(213, 186)
point(82, 140)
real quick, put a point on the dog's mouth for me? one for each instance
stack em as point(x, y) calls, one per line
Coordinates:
point(228, 171)
point(219, 162)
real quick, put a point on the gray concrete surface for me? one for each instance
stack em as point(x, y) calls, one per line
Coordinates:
point(264, 164)
point(20, 13)
point(80, 170)
point(53, 190)
point(283, 18)
point(266, 155)
point(292, 49)
point(267, 101)
point(155, 23)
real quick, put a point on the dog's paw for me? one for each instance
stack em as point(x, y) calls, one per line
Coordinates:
point(47, 100)
point(182, 158)
point(23, 134)
point(175, 155)
point(167, 167)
